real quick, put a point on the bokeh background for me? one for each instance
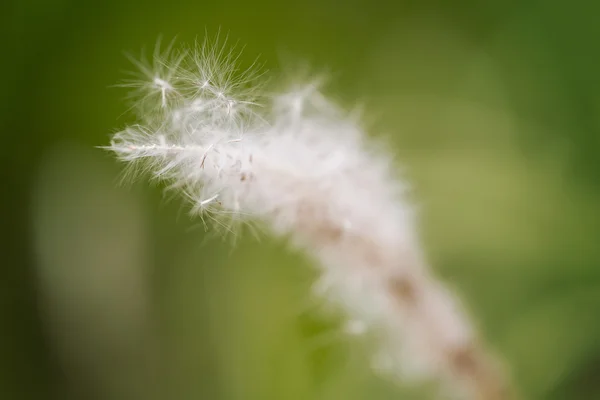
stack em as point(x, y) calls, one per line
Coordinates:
point(110, 292)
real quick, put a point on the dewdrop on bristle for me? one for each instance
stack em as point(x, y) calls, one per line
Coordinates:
point(305, 168)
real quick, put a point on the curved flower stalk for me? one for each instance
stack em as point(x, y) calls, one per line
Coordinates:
point(305, 168)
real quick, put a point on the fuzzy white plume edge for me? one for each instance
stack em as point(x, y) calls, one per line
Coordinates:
point(304, 167)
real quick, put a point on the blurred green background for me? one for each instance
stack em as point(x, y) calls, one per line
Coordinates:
point(111, 292)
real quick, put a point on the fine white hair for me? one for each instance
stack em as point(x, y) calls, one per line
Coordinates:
point(305, 168)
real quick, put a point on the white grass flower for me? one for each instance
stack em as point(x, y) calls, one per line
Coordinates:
point(305, 168)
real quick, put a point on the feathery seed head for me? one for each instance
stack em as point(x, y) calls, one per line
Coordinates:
point(304, 167)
